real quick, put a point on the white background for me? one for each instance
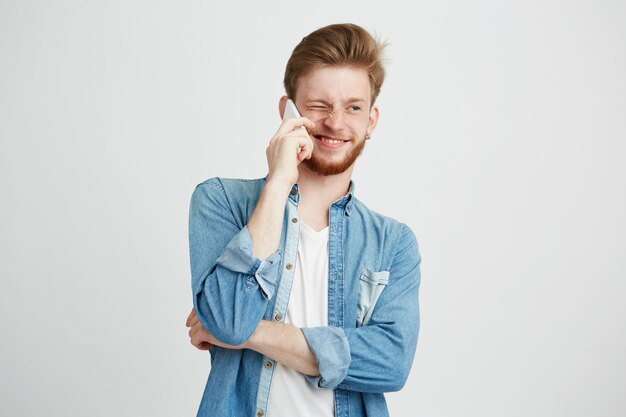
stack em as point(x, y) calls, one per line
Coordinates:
point(501, 143)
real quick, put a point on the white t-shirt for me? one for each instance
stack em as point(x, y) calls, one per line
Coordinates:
point(290, 394)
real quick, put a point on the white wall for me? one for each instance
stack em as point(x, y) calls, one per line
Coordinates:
point(501, 143)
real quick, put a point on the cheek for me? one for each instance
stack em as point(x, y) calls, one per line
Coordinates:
point(359, 126)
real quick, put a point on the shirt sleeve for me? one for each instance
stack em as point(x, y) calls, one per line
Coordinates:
point(376, 357)
point(231, 287)
point(332, 351)
point(237, 257)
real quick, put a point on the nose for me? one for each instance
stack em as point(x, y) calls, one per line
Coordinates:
point(334, 120)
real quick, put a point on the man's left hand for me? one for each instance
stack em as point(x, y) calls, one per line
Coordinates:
point(200, 338)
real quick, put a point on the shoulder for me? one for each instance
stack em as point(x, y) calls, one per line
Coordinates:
point(399, 236)
point(232, 184)
point(229, 188)
point(227, 195)
point(377, 220)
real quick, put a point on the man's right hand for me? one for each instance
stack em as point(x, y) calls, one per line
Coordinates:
point(290, 145)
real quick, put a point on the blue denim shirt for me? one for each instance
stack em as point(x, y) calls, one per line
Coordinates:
point(373, 316)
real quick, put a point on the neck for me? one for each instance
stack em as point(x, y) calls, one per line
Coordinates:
point(318, 192)
point(324, 189)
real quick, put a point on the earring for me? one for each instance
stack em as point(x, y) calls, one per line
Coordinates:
point(368, 136)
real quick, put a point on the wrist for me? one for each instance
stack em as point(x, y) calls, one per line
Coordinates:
point(254, 341)
point(276, 188)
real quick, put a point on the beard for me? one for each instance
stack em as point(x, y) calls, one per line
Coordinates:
point(324, 167)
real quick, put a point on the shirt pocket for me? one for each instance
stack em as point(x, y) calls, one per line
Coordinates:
point(371, 285)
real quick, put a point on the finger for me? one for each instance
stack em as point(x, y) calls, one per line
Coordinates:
point(307, 150)
point(302, 153)
point(298, 140)
point(201, 340)
point(308, 123)
point(191, 314)
point(198, 338)
point(289, 125)
point(196, 342)
point(205, 346)
point(194, 320)
point(192, 323)
point(306, 145)
point(195, 328)
point(300, 122)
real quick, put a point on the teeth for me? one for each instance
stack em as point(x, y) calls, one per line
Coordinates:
point(333, 141)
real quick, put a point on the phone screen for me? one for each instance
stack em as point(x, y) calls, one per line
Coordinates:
point(291, 111)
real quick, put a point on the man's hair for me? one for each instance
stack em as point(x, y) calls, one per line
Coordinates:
point(338, 44)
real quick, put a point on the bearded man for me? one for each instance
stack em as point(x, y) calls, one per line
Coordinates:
point(305, 298)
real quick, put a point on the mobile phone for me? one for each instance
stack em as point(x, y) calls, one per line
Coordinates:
point(291, 111)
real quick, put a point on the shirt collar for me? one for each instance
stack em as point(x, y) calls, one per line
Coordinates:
point(346, 201)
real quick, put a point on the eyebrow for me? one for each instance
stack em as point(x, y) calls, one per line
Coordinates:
point(350, 100)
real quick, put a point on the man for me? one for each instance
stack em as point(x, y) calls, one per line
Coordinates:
point(307, 300)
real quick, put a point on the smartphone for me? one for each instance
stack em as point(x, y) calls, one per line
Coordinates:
point(291, 110)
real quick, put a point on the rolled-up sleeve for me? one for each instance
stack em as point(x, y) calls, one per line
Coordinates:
point(332, 350)
point(237, 257)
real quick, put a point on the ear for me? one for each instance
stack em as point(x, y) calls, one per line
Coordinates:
point(282, 103)
point(373, 119)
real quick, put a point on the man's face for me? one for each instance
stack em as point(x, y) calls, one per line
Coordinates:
point(337, 99)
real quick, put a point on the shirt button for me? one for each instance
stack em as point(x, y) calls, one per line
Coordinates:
point(259, 413)
point(268, 364)
point(293, 191)
point(289, 266)
point(294, 220)
point(278, 317)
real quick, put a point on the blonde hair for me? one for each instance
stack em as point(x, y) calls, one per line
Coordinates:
point(338, 44)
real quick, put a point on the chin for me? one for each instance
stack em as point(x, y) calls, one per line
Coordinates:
point(326, 168)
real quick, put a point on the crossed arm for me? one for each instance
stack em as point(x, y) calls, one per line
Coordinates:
point(282, 342)
point(232, 290)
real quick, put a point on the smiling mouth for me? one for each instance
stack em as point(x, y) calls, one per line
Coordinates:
point(330, 140)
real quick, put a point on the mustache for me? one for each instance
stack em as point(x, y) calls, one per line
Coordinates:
point(328, 134)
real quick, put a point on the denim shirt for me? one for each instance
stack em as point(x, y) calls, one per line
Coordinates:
point(373, 316)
